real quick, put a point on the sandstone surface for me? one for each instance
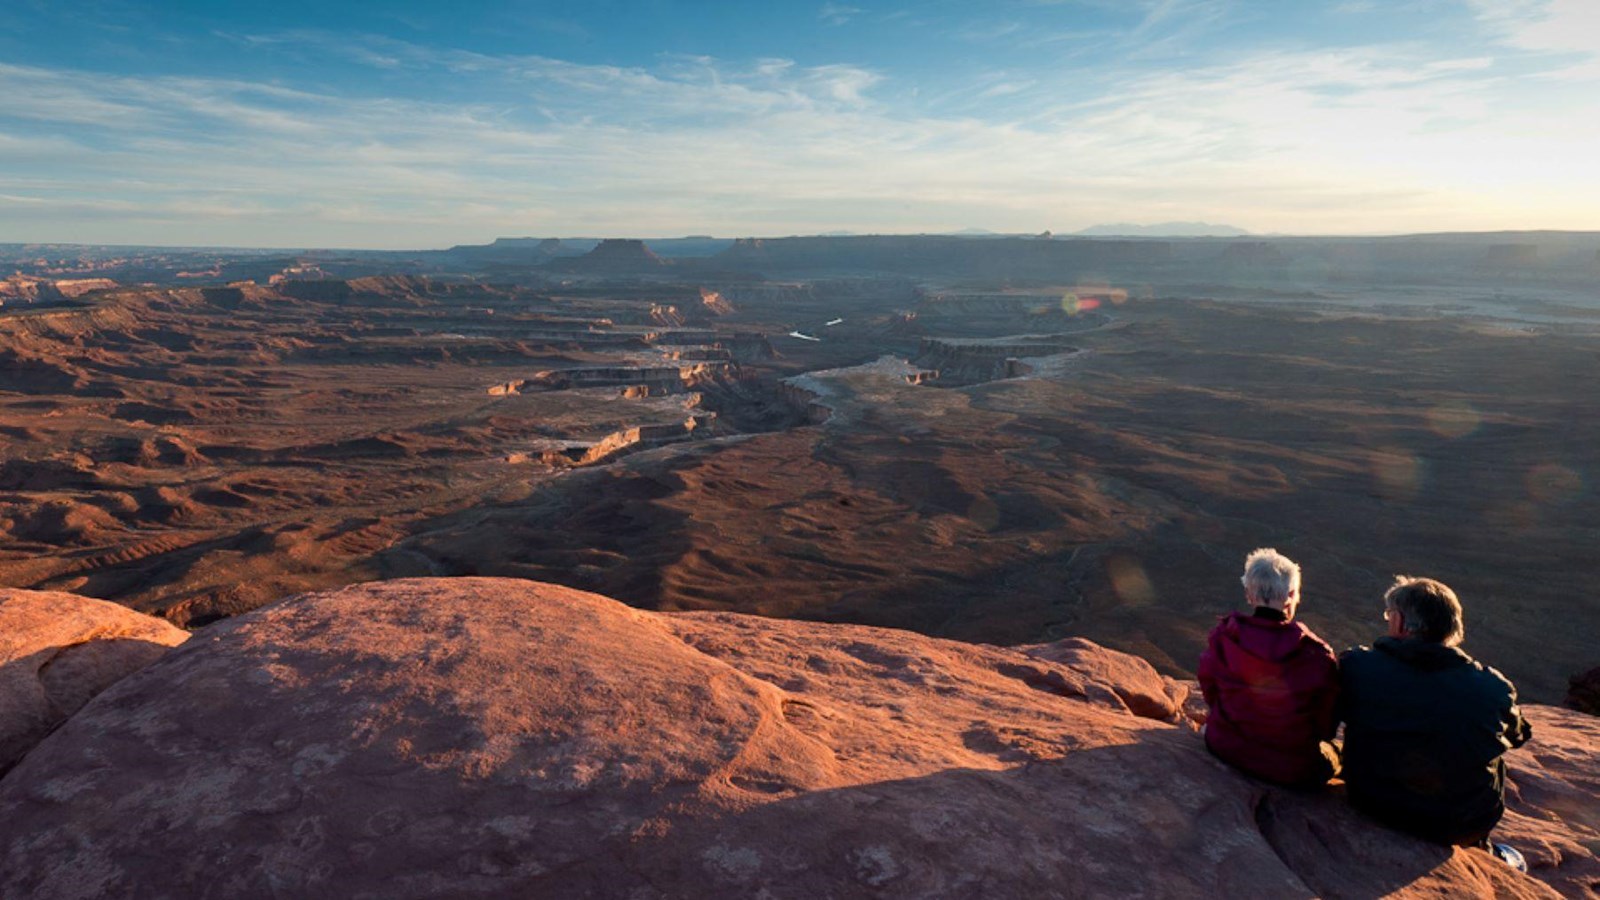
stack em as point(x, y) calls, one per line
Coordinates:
point(492, 737)
point(59, 650)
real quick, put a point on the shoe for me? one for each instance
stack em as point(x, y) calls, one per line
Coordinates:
point(1510, 856)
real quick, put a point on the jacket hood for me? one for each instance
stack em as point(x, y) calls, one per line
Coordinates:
point(1264, 638)
point(1425, 655)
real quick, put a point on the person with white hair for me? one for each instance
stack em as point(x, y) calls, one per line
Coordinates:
point(1270, 683)
point(1427, 726)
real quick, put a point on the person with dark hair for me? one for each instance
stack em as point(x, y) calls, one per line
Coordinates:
point(1270, 683)
point(1426, 725)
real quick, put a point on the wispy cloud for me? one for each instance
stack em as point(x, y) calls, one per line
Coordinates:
point(1173, 27)
point(1005, 88)
point(1570, 28)
point(1384, 138)
point(988, 29)
point(838, 13)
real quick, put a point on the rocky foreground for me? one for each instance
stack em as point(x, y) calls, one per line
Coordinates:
point(491, 737)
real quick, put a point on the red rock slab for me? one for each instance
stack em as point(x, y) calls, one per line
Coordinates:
point(489, 737)
point(1136, 684)
point(1553, 795)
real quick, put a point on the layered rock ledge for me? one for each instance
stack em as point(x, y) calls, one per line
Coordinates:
point(491, 737)
point(59, 650)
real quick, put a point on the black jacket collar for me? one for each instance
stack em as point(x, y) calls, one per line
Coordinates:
point(1422, 654)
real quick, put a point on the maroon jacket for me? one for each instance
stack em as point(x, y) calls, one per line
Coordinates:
point(1271, 686)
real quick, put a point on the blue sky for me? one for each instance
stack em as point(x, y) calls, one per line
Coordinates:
point(407, 125)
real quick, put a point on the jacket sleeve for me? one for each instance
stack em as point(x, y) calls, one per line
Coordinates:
point(1327, 711)
point(1517, 729)
point(1207, 672)
point(1341, 700)
point(1514, 729)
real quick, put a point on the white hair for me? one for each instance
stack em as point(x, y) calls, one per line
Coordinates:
point(1270, 578)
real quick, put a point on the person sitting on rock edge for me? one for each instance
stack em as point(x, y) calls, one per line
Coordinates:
point(1270, 683)
point(1426, 725)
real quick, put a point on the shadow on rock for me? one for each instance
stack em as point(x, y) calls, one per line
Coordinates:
point(1151, 818)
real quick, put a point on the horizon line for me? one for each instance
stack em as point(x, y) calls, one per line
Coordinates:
point(842, 236)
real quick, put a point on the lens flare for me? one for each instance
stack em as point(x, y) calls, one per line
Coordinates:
point(1553, 483)
point(1398, 473)
point(1454, 419)
point(1128, 579)
point(1519, 517)
point(1075, 302)
point(1267, 682)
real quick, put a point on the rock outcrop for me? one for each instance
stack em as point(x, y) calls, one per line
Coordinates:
point(19, 288)
point(613, 256)
point(490, 737)
point(59, 650)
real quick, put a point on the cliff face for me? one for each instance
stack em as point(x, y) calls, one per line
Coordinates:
point(392, 290)
point(44, 291)
point(491, 737)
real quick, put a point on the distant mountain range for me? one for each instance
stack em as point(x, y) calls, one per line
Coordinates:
point(1163, 229)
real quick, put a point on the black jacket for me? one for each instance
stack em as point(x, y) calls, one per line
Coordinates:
point(1425, 729)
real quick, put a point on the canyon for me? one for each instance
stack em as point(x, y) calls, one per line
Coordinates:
point(789, 568)
point(973, 445)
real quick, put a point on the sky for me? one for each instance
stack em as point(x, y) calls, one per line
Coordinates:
point(408, 125)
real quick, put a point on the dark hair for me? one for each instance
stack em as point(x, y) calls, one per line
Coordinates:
point(1430, 609)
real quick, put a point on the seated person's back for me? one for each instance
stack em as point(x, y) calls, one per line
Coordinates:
point(1426, 725)
point(1270, 683)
